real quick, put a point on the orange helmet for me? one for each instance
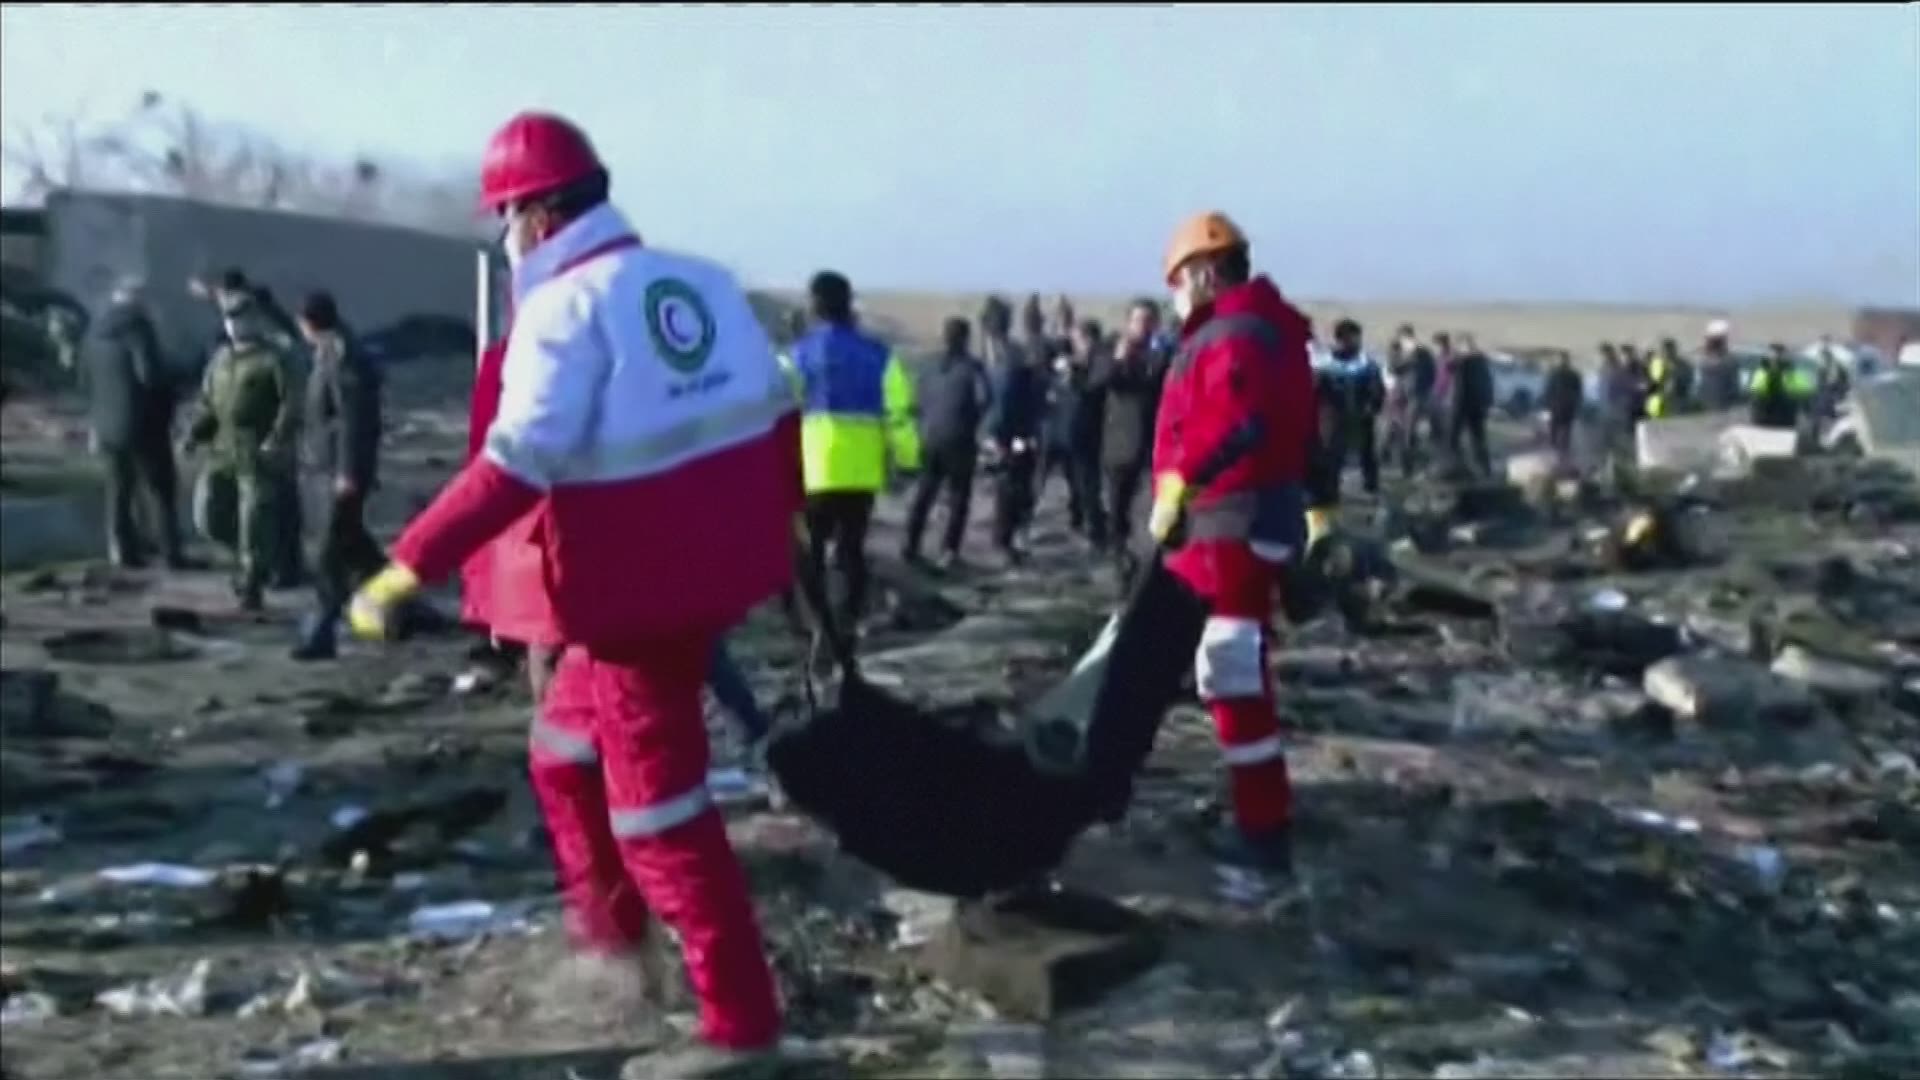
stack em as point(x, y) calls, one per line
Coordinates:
point(1203, 234)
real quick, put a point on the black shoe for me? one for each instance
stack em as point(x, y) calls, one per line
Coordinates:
point(315, 649)
point(316, 640)
point(1269, 852)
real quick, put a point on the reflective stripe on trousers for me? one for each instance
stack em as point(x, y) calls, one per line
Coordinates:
point(544, 740)
point(555, 744)
point(1254, 753)
point(659, 817)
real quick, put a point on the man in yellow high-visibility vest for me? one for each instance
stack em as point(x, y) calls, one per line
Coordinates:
point(857, 428)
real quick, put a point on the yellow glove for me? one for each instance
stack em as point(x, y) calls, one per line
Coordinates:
point(1169, 503)
point(1639, 529)
point(370, 615)
point(1319, 524)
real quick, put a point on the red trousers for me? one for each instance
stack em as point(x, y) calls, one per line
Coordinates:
point(1230, 669)
point(619, 758)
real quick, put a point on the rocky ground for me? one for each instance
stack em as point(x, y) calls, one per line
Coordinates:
point(1558, 817)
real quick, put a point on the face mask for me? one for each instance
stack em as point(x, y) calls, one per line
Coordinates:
point(513, 239)
point(1182, 301)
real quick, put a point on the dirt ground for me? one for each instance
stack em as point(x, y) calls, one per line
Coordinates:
point(1510, 864)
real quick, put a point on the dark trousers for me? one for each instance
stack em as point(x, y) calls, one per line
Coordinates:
point(735, 695)
point(1081, 468)
point(289, 565)
point(1123, 490)
point(1471, 423)
point(131, 471)
point(839, 519)
point(1013, 497)
point(1560, 432)
point(949, 469)
point(1353, 436)
point(348, 553)
point(1323, 469)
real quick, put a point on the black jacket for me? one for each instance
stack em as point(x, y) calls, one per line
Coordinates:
point(130, 395)
point(1130, 389)
point(1019, 404)
point(342, 415)
point(954, 394)
point(1472, 385)
point(1564, 393)
point(1073, 411)
point(1421, 372)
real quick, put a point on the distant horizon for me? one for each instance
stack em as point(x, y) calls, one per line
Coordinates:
point(1122, 296)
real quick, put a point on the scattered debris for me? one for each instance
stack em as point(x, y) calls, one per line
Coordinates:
point(184, 995)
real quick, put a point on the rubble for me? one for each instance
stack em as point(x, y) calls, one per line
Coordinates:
point(1717, 691)
point(1041, 952)
point(1835, 677)
point(1526, 797)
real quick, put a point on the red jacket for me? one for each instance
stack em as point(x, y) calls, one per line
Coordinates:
point(1243, 360)
point(500, 585)
point(646, 437)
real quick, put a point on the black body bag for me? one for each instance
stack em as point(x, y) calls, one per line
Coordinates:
point(951, 801)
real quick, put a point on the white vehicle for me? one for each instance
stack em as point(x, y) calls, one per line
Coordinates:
point(1518, 389)
point(1860, 361)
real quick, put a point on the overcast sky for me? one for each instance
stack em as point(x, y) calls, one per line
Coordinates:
point(1669, 153)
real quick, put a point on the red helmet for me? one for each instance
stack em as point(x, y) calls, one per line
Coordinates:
point(534, 153)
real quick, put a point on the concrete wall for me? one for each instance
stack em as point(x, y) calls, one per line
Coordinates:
point(378, 273)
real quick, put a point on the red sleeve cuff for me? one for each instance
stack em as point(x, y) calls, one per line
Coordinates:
point(476, 507)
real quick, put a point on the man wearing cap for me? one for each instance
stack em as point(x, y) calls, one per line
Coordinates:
point(645, 422)
point(247, 413)
point(1238, 394)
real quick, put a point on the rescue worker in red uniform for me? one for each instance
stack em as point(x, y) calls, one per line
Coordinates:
point(1242, 372)
point(636, 386)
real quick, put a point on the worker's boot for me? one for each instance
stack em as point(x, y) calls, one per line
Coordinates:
point(1269, 851)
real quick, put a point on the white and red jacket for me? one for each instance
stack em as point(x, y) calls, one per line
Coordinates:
point(502, 587)
point(648, 434)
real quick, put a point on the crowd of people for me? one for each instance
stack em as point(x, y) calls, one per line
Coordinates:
point(1638, 385)
point(645, 468)
point(284, 403)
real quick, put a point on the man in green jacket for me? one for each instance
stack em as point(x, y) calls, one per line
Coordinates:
point(247, 415)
